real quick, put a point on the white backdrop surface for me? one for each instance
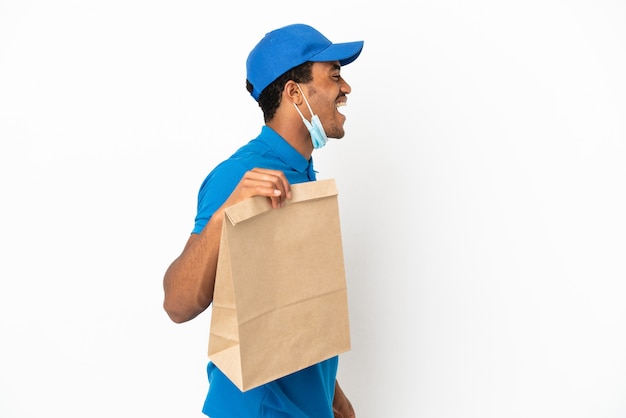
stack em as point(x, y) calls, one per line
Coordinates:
point(482, 192)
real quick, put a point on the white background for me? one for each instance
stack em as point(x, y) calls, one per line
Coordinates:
point(482, 194)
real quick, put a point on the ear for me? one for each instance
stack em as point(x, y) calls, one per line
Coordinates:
point(292, 92)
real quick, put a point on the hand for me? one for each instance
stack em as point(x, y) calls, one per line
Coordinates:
point(342, 408)
point(261, 182)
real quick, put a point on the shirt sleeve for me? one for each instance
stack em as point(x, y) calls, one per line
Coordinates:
point(215, 189)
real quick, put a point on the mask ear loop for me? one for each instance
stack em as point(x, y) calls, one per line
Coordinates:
point(306, 122)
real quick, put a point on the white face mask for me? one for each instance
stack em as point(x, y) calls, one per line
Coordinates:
point(318, 136)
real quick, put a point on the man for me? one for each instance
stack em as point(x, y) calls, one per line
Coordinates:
point(294, 73)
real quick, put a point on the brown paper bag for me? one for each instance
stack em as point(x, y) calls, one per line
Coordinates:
point(280, 301)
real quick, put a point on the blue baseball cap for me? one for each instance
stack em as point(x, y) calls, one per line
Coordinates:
point(283, 49)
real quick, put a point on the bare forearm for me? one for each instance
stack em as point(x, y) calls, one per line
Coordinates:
point(189, 281)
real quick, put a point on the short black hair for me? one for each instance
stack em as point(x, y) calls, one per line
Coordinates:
point(269, 99)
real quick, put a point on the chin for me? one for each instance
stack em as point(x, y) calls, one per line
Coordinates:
point(337, 134)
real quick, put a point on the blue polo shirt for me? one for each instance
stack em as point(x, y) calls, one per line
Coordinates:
point(306, 393)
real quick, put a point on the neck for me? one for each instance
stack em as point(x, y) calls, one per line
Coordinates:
point(295, 133)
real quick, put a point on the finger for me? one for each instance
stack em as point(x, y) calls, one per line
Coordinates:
point(251, 188)
point(277, 179)
point(275, 176)
point(277, 200)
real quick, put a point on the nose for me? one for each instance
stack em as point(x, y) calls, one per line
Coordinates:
point(345, 87)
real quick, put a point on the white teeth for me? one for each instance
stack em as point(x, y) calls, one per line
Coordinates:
point(341, 104)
